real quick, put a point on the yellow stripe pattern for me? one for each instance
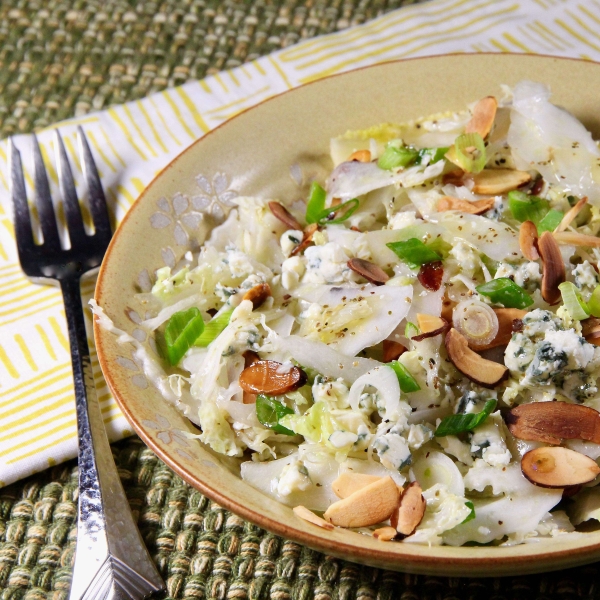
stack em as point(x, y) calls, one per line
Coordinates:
point(132, 143)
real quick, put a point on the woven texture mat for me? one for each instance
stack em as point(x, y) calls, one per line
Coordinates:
point(64, 58)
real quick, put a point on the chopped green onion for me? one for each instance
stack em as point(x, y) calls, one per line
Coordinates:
point(347, 209)
point(269, 411)
point(183, 329)
point(527, 208)
point(435, 154)
point(440, 246)
point(573, 301)
point(491, 264)
point(472, 162)
point(594, 303)
point(411, 330)
point(414, 252)
point(316, 203)
point(551, 221)
point(456, 424)
point(394, 157)
point(471, 515)
point(407, 382)
point(213, 328)
point(505, 291)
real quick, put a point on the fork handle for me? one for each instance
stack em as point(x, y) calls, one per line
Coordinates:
point(111, 560)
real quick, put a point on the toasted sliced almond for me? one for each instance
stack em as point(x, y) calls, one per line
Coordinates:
point(285, 216)
point(483, 117)
point(553, 268)
point(385, 534)
point(361, 156)
point(506, 318)
point(370, 271)
point(250, 358)
point(271, 378)
point(447, 308)
point(571, 214)
point(308, 515)
point(552, 422)
point(454, 177)
point(406, 518)
point(392, 350)
point(348, 483)
point(498, 181)
point(558, 467)
point(430, 326)
point(309, 231)
point(368, 506)
point(528, 236)
point(478, 207)
point(257, 294)
point(577, 239)
point(591, 330)
point(478, 369)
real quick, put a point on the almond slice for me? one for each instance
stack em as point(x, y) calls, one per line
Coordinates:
point(528, 236)
point(309, 231)
point(368, 506)
point(553, 268)
point(257, 294)
point(591, 330)
point(250, 358)
point(571, 214)
point(430, 326)
point(308, 515)
point(361, 156)
point(577, 239)
point(478, 369)
point(392, 350)
point(498, 181)
point(447, 308)
point(348, 483)
point(506, 318)
point(484, 113)
point(552, 422)
point(558, 467)
point(410, 511)
point(370, 271)
point(284, 215)
point(385, 534)
point(454, 177)
point(473, 208)
point(271, 378)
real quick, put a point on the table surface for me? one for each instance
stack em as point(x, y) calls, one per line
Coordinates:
point(60, 59)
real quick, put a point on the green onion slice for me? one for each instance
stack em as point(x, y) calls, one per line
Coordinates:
point(316, 203)
point(456, 424)
point(394, 157)
point(471, 161)
point(411, 330)
point(435, 154)
point(471, 515)
point(414, 252)
point(551, 221)
point(441, 246)
point(573, 301)
point(213, 328)
point(505, 291)
point(347, 209)
point(594, 303)
point(269, 411)
point(491, 264)
point(527, 208)
point(407, 382)
point(183, 329)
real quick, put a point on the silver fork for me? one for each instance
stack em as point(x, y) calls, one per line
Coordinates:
point(111, 560)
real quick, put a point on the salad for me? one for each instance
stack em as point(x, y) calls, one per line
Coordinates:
point(413, 350)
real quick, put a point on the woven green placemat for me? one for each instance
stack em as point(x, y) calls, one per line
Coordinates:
point(62, 58)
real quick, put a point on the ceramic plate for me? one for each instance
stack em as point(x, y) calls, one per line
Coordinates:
point(271, 151)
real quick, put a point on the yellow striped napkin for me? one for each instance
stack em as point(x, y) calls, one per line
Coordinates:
point(133, 142)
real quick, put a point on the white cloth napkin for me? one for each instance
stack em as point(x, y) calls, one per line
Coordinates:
point(132, 142)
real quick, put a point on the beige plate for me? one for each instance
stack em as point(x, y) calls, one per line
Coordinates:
point(252, 155)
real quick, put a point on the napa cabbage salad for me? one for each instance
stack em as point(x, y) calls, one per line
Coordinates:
point(411, 352)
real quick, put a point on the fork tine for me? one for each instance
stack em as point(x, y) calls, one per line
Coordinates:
point(77, 233)
point(97, 200)
point(43, 200)
point(22, 218)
